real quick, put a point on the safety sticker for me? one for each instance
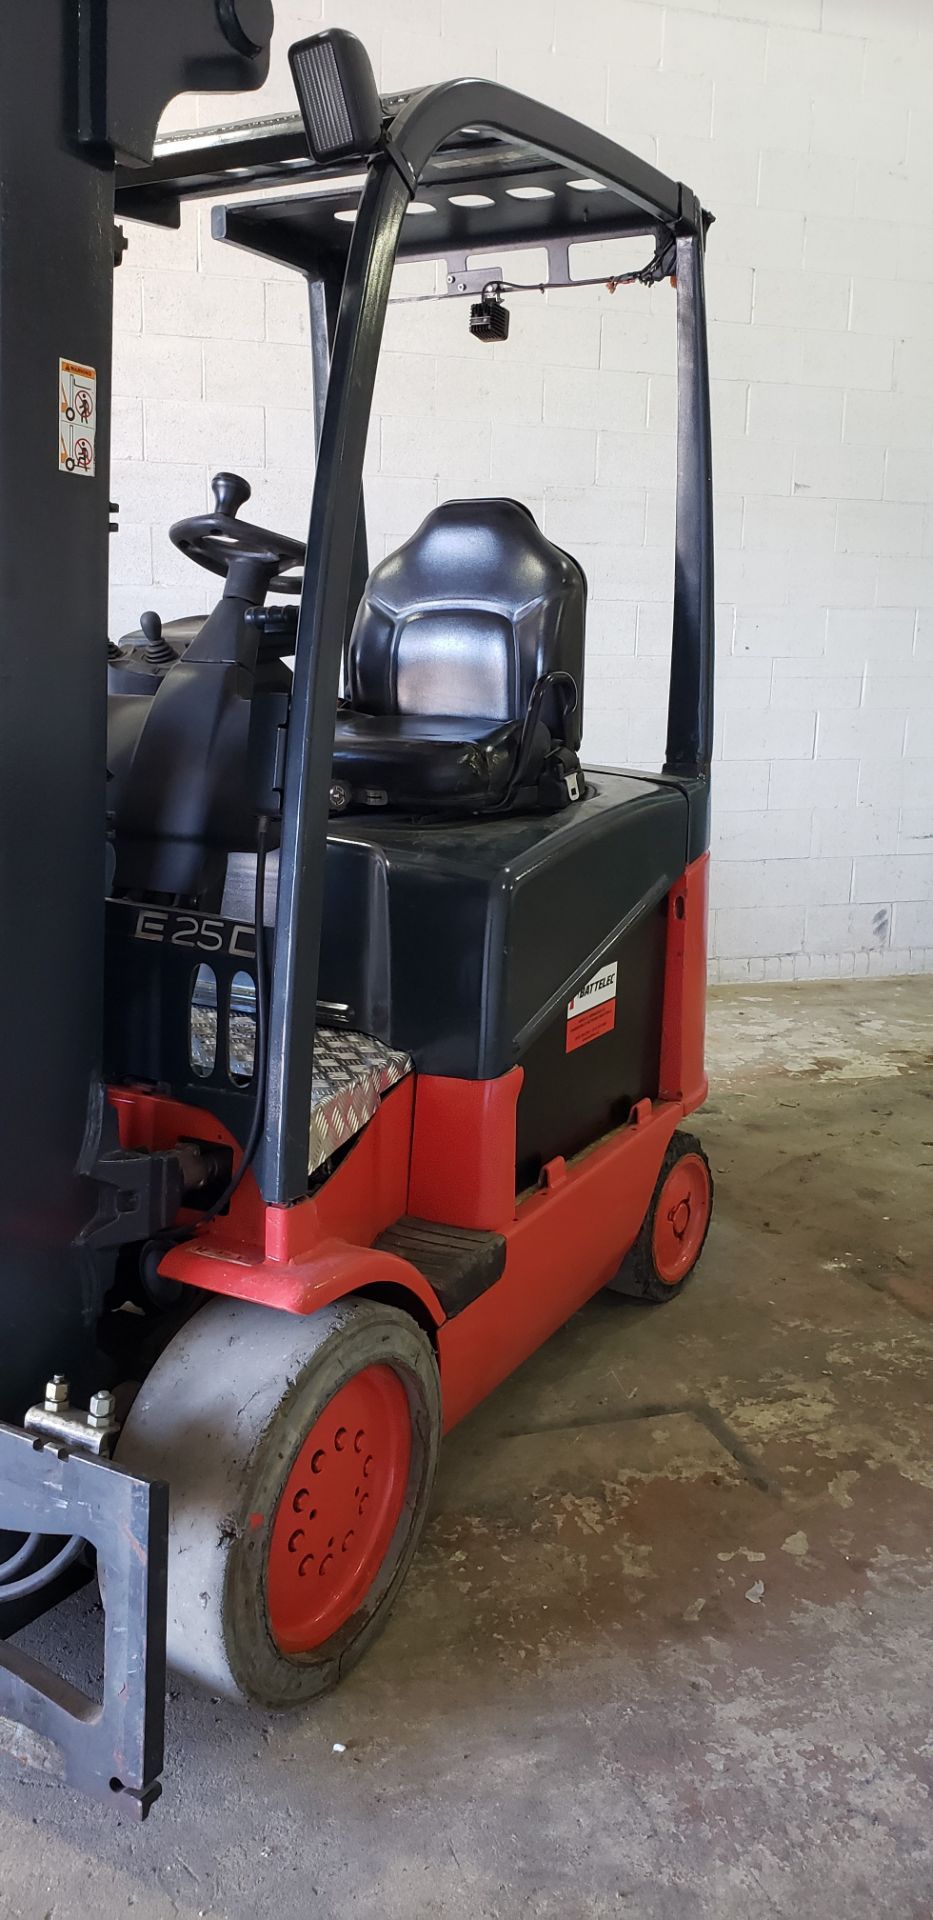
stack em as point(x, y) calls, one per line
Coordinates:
point(77, 413)
point(592, 1011)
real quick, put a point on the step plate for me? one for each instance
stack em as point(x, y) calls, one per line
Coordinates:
point(460, 1262)
point(351, 1073)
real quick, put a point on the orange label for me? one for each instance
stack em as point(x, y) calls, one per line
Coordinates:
point(589, 1026)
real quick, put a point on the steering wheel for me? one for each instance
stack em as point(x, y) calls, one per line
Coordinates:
point(217, 539)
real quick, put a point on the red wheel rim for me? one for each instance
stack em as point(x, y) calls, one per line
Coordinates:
point(338, 1510)
point(681, 1218)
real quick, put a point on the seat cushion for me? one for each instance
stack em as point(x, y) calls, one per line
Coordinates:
point(424, 760)
point(467, 616)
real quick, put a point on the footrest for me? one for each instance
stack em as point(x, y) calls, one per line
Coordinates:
point(460, 1262)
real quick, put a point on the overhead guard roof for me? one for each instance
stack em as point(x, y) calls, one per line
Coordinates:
point(526, 196)
point(532, 205)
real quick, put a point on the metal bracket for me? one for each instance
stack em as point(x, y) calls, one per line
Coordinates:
point(140, 1193)
point(112, 1748)
point(66, 1426)
point(128, 67)
point(461, 279)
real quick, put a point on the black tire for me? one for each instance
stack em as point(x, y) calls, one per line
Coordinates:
point(644, 1273)
point(224, 1417)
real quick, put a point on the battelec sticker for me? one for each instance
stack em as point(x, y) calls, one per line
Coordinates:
point(592, 1011)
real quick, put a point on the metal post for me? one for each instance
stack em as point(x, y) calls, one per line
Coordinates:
point(324, 300)
point(56, 266)
point(690, 708)
point(332, 546)
point(79, 86)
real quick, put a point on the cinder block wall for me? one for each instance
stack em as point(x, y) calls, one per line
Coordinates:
point(805, 126)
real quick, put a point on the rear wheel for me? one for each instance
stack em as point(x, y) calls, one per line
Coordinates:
point(300, 1454)
point(675, 1227)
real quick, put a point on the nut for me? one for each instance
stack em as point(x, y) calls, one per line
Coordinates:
point(56, 1393)
point(102, 1409)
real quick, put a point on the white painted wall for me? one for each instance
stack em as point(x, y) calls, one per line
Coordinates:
point(805, 125)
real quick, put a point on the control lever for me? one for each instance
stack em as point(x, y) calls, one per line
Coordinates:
point(158, 652)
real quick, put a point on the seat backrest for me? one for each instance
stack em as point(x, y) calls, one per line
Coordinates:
point(467, 616)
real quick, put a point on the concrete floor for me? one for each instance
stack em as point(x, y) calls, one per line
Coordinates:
point(668, 1648)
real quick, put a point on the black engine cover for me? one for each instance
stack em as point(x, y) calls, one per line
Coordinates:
point(463, 944)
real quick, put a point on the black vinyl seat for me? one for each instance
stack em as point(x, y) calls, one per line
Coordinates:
point(465, 670)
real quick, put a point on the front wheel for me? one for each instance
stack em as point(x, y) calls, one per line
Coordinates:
point(674, 1230)
point(300, 1456)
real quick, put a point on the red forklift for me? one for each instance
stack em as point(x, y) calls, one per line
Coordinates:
point(351, 1021)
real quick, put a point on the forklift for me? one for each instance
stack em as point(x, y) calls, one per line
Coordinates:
point(351, 1021)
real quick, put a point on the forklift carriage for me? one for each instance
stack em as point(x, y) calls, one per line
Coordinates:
point(370, 1068)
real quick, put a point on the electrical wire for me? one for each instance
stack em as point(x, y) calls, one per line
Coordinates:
point(32, 1583)
point(177, 1236)
point(644, 276)
point(20, 1558)
point(659, 267)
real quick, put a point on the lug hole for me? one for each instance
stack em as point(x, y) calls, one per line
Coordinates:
point(367, 1463)
point(347, 1538)
point(296, 1540)
point(358, 1442)
point(300, 1501)
point(340, 1439)
point(317, 1460)
point(326, 1564)
point(305, 1565)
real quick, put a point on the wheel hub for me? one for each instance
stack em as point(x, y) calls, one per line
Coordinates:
point(681, 1219)
point(338, 1510)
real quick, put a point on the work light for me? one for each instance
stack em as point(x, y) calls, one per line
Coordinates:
point(337, 93)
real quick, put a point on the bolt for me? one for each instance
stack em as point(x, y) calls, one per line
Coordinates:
point(56, 1394)
point(102, 1409)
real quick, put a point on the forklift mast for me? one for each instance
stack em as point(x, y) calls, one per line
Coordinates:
point(83, 84)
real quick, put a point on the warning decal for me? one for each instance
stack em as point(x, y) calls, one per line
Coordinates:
point(592, 1011)
point(77, 418)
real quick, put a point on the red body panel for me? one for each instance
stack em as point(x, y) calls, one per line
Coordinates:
point(566, 1241)
point(300, 1257)
point(463, 1151)
point(683, 1026)
point(444, 1150)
